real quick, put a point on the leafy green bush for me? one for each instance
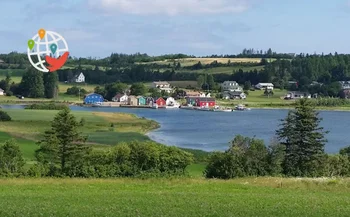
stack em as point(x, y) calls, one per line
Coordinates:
point(11, 160)
point(4, 116)
point(47, 106)
point(75, 91)
point(9, 93)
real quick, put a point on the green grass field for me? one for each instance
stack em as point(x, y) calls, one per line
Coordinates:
point(224, 70)
point(174, 197)
point(28, 126)
point(192, 61)
point(258, 99)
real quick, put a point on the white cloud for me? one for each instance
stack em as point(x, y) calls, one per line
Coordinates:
point(78, 35)
point(172, 7)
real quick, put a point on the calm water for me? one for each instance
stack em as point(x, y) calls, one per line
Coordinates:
point(213, 130)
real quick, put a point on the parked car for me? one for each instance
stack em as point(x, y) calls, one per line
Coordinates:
point(20, 97)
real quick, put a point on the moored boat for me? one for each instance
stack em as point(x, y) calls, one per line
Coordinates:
point(223, 110)
point(97, 104)
point(173, 106)
point(188, 107)
point(241, 107)
point(155, 106)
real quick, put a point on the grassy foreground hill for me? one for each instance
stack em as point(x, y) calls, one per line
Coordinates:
point(28, 126)
point(175, 197)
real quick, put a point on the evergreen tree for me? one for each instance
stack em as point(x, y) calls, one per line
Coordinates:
point(7, 83)
point(303, 139)
point(211, 82)
point(247, 85)
point(51, 84)
point(63, 144)
point(200, 80)
point(11, 160)
point(32, 84)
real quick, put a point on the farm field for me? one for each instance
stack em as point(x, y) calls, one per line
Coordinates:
point(28, 126)
point(192, 61)
point(223, 70)
point(175, 197)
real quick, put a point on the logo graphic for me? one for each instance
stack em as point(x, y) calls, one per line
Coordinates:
point(47, 51)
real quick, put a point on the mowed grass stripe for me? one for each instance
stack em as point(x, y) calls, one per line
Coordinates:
point(171, 197)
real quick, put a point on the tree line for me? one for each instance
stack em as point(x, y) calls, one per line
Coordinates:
point(298, 151)
point(297, 73)
point(34, 84)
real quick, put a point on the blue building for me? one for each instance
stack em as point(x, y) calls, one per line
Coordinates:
point(93, 98)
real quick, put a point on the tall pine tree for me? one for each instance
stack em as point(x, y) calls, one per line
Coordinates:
point(304, 141)
point(32, 84)
point(62, 145)
point(51, 84)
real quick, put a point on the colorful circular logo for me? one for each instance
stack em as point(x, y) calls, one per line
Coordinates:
point(47, 51)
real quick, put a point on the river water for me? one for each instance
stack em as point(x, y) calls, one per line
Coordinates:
point(214, 130)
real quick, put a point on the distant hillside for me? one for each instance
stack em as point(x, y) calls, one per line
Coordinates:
point(204, 61)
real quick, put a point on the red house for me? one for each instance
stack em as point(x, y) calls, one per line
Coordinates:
point(161, 102)
point(201, 101)
point(204, 101)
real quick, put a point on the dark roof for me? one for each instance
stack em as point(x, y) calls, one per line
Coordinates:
point(93, 94)
point(206, 99)
point(236, 93)
point(77, 75)
point(298, 93)
point(118, 95)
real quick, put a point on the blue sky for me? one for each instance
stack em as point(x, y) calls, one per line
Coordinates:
point(96, 28)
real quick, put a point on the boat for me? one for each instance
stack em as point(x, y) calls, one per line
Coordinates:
point(223, 110)
point(241, 107)
point(97, 104)
point(204, 108)
point(154, 106)
point(188, 107)
point(218, 109)
point(173, 106)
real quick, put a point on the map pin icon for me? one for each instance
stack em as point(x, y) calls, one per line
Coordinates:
point(53, 48)
point(31, 44)
point(42, 33)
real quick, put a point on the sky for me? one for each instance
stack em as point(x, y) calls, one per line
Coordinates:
point(97, 28)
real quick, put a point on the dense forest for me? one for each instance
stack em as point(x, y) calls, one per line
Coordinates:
point(302, 69)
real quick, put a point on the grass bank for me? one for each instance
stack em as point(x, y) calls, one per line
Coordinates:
point(175, 197)
point(28, 126)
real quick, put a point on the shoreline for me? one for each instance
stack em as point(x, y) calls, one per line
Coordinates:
point(321, 108)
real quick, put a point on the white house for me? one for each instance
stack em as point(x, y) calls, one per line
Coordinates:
point(170, 101)
point(231, 86)
point(163, 85)
point(120, 98)
point(345, 85)
point(1, 92)
point(160, 84)
point(297, 95)
point(79, 78)
point(263, 86)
